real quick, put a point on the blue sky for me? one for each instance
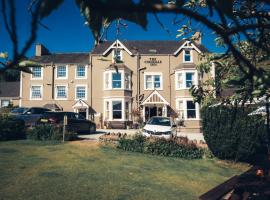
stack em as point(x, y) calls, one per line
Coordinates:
point(68, 33)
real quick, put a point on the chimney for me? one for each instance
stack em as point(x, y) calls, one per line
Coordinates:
point(197, 37)
point(41, 50)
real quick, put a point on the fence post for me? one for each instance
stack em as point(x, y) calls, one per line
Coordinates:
point(64, 127)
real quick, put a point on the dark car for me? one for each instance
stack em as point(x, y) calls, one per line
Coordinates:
point(32, 115)
point(75, 121)
point(18, 111)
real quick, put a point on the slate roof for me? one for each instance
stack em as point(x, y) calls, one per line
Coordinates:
point(63, 58)
point(147, 46)
point(9, 89)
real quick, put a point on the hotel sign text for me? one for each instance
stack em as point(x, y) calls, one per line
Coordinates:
point(153, 61)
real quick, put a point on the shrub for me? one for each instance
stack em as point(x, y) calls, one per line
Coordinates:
point(231, 134)
point(161, 146)
point(11, 129)
point(49, 132)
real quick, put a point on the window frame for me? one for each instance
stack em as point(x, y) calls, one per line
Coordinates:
point(41, 92)
point(86, 92)
point(109, 101)
point(37, 78)
point(184, 82)
point(56, 92)
point(153, 74)
point(56, 74)
point(184, 55)
point(85, 72)
point(185, 100)
point(109, 74)
point(121, 54)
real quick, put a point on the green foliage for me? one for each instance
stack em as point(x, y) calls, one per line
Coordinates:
point(49, 132)
point(161, 146)
point(11, 129)
point(231, 134)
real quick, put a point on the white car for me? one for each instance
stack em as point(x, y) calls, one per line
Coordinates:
point(159, 127)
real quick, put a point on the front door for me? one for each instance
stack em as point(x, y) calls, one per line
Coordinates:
point(152, 111)
point(82, 111)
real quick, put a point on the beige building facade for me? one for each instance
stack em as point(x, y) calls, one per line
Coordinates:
point(119, 83)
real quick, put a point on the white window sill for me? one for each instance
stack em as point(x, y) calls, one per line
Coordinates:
point(80, 78)
point(153, 89)
point(60, 99)
point(35, 99)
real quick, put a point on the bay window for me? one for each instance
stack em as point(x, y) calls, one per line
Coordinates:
point(117, 80)
point(117, 109)
point(187, 109)
point(184, 79)
point(191, 110)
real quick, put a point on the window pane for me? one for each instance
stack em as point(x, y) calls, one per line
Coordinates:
point(80, 71)
point(187, 56)
point(61, 92)
point(189, 79)
point(179, 80)
point(117, 109)
point(191, 111)
point(127, 81)
point(107, 83)
point(80, 92)
point(61, 71)
point(116, 80)
point(4, 103)
point(117, 55)
point(36, 72)
point(157, 81)
point(36, 92)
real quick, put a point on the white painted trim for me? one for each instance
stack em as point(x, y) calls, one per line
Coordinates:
point(153, 74)
point(86, 69)
point(183, 72)
point(55, 91)
point(86, 91)
point(118, 45)
point(41, 92)
point(37, 78)
point(183, 46)
point(159, 95)
point(110, 72)
point(61, 78)
point(191, 55)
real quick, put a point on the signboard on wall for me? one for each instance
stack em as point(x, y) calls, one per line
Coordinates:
point(152, 62)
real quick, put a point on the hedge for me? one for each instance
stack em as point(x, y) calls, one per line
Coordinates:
point(11, 128)
point(49, 132)
point(231, 133)
point(161, 146)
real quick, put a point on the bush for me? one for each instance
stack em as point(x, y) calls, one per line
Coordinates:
point(161, 146)
point(49, 132)
point(11, 129)
point(231, 134)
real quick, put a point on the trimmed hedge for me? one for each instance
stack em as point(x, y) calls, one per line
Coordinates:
point(49, 132)
point(11, 129)
point(231, 134)
point(161, 146)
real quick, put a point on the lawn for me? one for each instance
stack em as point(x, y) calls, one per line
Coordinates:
point(84, 170)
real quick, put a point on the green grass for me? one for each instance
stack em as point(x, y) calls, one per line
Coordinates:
point(80, 170)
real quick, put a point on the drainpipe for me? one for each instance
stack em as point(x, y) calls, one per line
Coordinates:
point(138, 80)
point(91, 85)
point(53, 72)
point(170, 85)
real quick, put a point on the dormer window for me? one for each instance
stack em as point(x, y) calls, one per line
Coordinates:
point(117, 56)
point(187, 55)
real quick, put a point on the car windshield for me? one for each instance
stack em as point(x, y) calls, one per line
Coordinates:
point(18, 110)
point(159, 121)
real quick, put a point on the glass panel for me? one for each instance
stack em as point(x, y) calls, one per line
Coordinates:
point(127, 111)
point(80, 92)
point(117, 109)
point(187, 56)
point(36, 72)
point(127, 81)
point(148, 82)
point(179, 80)
point(116, 80)
point(61, 71)
point(36, 92)
point(180, 110)
point(80, 71)
point(191, 110)
point(189, 79)
point(4, 103)
point(107, 82)
point(117, 55)
point(157, 81)
point(61, 92)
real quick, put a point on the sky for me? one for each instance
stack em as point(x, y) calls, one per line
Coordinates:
point(68, 32)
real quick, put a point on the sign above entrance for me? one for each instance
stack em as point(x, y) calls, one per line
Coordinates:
point(152, 62)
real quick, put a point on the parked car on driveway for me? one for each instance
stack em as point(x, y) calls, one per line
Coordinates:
point(159, 127)
point(18, 111)
point(31, 115)
point(75, 121)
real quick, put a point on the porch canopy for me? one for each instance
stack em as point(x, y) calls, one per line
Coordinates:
point(81, 105)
